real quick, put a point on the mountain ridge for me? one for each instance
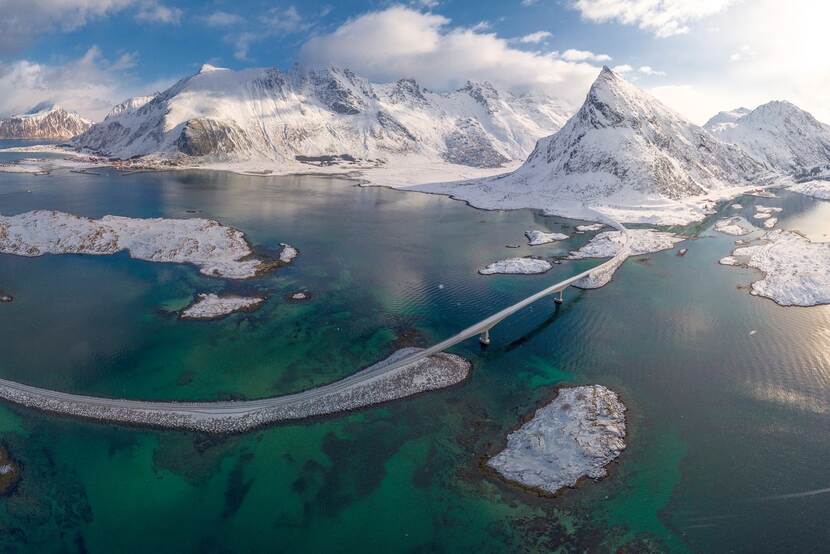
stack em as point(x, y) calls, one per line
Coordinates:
point(43, 121)
point(781, 135)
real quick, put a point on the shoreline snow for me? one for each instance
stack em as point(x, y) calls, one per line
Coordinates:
point(817, 189)
point(216, 250)
point(642, 241)
point(795, 269)
point(735, 226)
point(478, 187)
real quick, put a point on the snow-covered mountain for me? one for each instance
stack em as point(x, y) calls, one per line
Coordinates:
point(128, 106)
point(321, 116)
point(725, 119)
point(44, 121)
point(622, 149)
point(781, 135)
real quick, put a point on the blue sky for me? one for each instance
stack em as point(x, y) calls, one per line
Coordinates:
point(698, 56)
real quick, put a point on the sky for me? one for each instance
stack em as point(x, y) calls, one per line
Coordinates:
point(697, 56)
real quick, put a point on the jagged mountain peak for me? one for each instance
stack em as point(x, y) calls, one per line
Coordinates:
point(623, 143)
point(407, 90)
point(781, 135)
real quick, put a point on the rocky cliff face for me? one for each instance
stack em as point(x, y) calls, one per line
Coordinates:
point(299, 114)
point(43, 122)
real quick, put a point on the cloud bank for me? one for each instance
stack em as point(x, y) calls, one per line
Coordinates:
point(22, 21)
point(401, 42)
point(664, 18)
point(89, 85)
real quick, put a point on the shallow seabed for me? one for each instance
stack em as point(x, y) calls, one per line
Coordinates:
point(720, 418)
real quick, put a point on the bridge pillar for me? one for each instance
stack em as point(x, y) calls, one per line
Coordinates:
point(559, 299)
point(484, 338)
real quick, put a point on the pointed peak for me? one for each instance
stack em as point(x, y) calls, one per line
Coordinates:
point(207, 68)
point(607, 75)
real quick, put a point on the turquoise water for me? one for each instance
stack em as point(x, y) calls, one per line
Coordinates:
point(719, 419)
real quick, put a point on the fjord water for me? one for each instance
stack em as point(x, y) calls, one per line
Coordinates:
point(727, 393)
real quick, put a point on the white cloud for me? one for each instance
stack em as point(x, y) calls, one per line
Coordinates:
point(274, 22)
point(527, 3)
point(284, 21)
point(786, 59)
point(662, 17)
point(223, 19)
point(573, 55)
point(90, 85)
point(624, 68)
point(127, 60)
point(155, 12)
point(535, 38)
point(699, 104)
point(744, 52)
point(648, 70)
point(401, 42)
point(24, 20)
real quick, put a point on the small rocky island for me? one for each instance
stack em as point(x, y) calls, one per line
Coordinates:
point(10, 472)
point(576, 435)
point(217, 250)
point(516, 266)
point(794, 268)
point(213, 306)
point(538, 238)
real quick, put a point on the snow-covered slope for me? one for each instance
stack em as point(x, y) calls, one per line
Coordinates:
point(781, 135)
point(725, 119)
point(322, 117)
point(44, 121)
point(624, 151)
point(127, 106)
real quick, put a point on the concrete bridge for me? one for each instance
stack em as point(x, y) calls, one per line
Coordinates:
point(405, 373)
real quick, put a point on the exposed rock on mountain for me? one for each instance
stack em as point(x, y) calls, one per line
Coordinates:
point(288, 117)
point(44, 121)
point(781, 135)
